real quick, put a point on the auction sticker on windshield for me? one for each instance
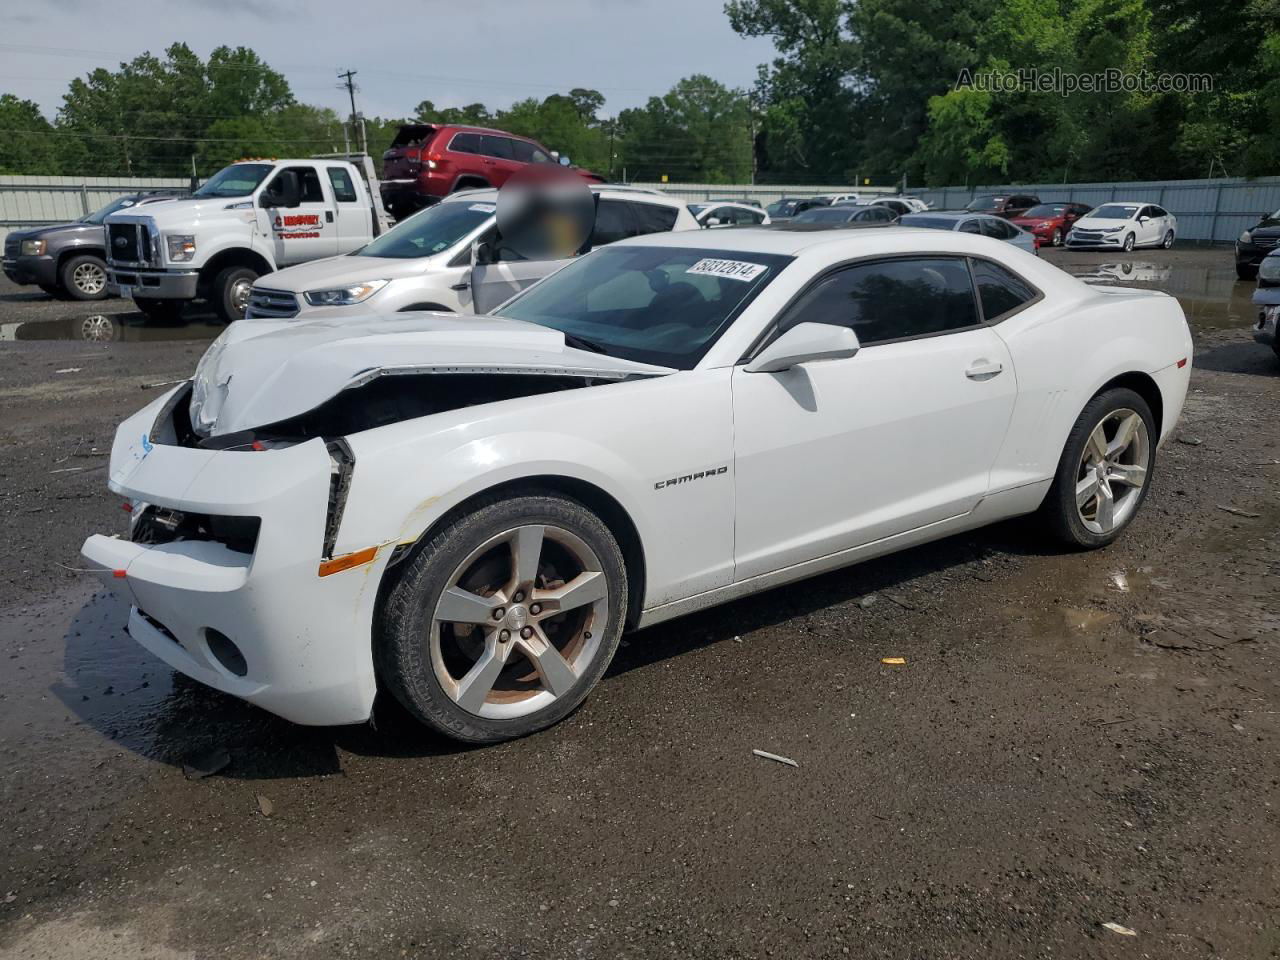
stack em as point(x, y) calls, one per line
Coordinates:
point(729, 269)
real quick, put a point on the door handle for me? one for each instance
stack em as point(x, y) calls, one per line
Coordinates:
point(983, 370)
point(460, 286)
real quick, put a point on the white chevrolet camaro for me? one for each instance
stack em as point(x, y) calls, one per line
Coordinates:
point(466, 513)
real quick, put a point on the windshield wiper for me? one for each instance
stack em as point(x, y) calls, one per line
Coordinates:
point(580, 343)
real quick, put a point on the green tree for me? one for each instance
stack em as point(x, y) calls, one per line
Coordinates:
point(699, 131)
point(29, 144)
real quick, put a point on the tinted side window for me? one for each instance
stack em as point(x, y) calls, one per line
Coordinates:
point(309, 183)
point(970, 226)
point(465, 143)
point(892, 299)
point(652, 218)
point(999, 290)
point(499, 147)
point(613, 222)
point(521, 151)
point(1159, 211)
point(344, 190)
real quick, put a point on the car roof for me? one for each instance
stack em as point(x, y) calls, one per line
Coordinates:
point(608, 190)
point(949, 215)
point(785, 239)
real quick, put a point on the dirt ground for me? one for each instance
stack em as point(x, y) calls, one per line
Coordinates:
point(1074, 739)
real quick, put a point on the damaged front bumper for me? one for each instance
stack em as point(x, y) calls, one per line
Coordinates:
point(251, 616)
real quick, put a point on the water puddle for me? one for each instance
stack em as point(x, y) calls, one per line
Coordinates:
point(108, 328)
point(1211, 295)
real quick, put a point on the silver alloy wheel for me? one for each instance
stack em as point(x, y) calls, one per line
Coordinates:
point(89, 278)
point(519, 622)
point(1128, 243)
point(97, 328)
point(1112, 471)
point(1056, 241)
point(1168, 240)
point(240, 291)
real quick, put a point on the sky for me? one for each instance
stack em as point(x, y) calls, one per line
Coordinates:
point(452, 52)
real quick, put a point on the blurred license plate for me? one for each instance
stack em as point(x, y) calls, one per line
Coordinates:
point(126, 290)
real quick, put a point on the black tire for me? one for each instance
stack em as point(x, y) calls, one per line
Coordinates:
point(402, 645)
point(159, 309)
point(1059, 510)
point(1168, 240)
point(84, 277)
point(1246, 272)
point(225, 294)
point(1128, 243)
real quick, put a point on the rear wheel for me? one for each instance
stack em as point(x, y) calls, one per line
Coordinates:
point(1168, 240)
point(160, 309)
point(84, 277)
point(505, 619)
point(1105, 470)
point(230, 294)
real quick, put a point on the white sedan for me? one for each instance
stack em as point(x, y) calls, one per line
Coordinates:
point(466, 513)
point(1124, 226)
point(728, 213)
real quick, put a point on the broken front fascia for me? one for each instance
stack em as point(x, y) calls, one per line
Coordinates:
point(270, 372)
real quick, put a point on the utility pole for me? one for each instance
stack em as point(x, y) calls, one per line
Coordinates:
point(349, 76)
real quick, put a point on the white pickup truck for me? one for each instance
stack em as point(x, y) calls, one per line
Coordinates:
point(249, 219)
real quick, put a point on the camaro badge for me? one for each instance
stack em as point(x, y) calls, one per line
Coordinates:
point(712, 472)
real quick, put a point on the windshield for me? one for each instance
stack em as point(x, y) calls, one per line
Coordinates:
point(237, 180)
point(100, 215)
point(984, 203)
point(429, 232)
point(1114, 211)
point(663, 305)
point(826, 215)
point(1046, 210)
point(930, 223)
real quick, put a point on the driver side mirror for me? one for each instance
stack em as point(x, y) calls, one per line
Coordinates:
point(806, 343)
point(284, 191)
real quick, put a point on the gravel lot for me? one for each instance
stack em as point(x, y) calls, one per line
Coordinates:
point(1074, 739)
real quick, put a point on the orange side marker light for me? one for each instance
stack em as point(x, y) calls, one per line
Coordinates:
point(347, 561)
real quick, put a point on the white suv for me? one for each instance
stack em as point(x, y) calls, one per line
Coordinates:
point(424, 263)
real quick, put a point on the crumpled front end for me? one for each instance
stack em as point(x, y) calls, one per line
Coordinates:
point(224, 568)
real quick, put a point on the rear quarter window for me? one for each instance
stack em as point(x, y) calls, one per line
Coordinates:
point(652, 218)
point(999, 291)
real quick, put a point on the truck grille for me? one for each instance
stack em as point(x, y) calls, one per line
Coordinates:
point(272, 303)
point(1264, 243)
point(12, 247)
point(128, 243)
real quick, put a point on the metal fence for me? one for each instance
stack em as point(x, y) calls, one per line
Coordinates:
point(763, 194)
point(1208, 211)
point(35, 201)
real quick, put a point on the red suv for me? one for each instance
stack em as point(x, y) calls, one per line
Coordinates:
point(429, 161)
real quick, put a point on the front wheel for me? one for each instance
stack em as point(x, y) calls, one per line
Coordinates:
point(505, 619)
point(84, 277)
point(230, 296)
point(1105, 470)
point(1057, 238)
point(1128, 243)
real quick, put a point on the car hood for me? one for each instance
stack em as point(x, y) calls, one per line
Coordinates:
point(345, 270)
point(1032, 221)
point(36, 233)
point(264, 371)
point(1094, 223)
point(178, 212)
point(1267, 227)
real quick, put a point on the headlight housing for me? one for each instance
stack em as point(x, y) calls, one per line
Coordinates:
point(1246, 237)
point(1269, 269)
point(344, 296)
point(182, 247)
point(1112, 229)
point(33, 248)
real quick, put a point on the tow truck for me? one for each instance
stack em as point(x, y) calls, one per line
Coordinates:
point(249, 219)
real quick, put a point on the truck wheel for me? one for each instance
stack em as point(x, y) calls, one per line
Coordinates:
point(505, 618)
point(230, 297)
point(84, 277)
point(160, 310)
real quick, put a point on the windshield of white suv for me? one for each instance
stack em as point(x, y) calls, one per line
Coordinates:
point(429, 232)
point(98, 216)
point(237, 180)
point(1114, 211)
point(663, 305)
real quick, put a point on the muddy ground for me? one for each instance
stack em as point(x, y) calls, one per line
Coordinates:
point(1074, 739)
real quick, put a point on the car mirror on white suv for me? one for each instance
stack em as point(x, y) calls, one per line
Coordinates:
point(805, 343)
